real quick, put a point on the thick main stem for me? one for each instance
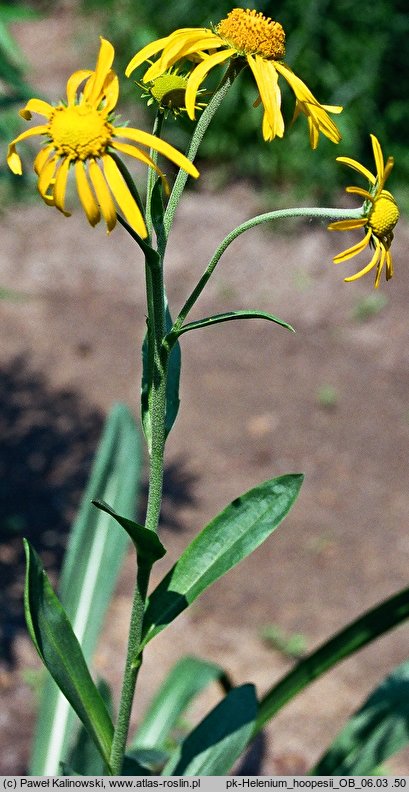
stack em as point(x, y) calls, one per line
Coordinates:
point(157, 405)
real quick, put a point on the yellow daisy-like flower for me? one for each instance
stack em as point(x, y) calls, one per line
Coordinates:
point(249, 35)
point(81, 133)
point(381, 215)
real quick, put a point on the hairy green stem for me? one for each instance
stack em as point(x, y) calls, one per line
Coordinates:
point(267, 217)
point(157, 406)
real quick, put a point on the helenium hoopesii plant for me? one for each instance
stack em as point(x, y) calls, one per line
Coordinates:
point(82, 138)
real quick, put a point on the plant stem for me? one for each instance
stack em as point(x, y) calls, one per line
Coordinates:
point(157, 403)
point(235, 67)
point(267, 217)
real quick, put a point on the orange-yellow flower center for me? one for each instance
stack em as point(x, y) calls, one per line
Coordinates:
point(79, 131)
point(383, 216)
point(251, 33)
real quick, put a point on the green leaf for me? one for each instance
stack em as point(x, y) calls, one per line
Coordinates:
point(84, 755)
point(226, 540)
point(147, 543)
point(377, 731)
point(92, 563)
point(188, 677)
point(228, 317)
point(54, 639)
point(217, 742)
point(349, 640)
point(157, 212)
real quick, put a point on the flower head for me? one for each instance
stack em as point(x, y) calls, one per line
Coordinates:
point(381, 214)
point(168, 91)
point(249, 35)
point(81, 133)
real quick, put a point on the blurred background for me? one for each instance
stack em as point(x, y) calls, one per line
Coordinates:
point(331, 401)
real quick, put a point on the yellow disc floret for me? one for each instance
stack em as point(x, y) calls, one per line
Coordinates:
point(79, 131)
point(383, 216)
point(251, 33)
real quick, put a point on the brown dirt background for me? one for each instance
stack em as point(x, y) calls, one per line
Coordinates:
point(250, 410)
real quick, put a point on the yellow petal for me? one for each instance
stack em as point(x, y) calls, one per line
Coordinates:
point(388, 167)
point(380, 268)
point(358, 167)
point(36, 106)
point(360, 191)
point(145, 53)
point(378, 156)
point(111, 92)
point(132, 151)
point(123, 197)
point(146, 139)
point(93, 88)
point(198, 75)
point(354, 250)
point(181, 45)
point(46, 175)
point(348, 225)
point(266, 78)
point(86, 195)
point(74, 82)
point(389, 266)
point(103, 195)
point(366, 269)
point(13, 159)
point(309, 105)
point(41, 158)
point(60, 186)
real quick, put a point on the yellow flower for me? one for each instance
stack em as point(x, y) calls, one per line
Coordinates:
point(81, 133)
point(249, 35)
point(381, 215)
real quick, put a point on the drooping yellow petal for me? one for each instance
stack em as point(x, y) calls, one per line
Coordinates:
point(41, 158)
point(354, 250)
point(93, 87)
point(380, 267)
point(198, 75)
point(86, 195)
point(266, 78)
point(132, 151)
point(389, 265)
point(36, 106)
point(358, 167)
point(146, 139)
point(103, 195)
point(46, 177)
point(13, 159)
point(366, 269)
point(74, 82)
point(348, 225)
point(123, 197)
point(309, 105)
point(60, 186)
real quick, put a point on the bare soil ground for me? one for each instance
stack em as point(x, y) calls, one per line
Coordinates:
point(254, 404)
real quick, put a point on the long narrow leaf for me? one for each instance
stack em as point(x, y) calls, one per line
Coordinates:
point(92, 562)
point(377, 731)
point(225, 541)
point(186, 679)
point(52, 635)
point(355, 636)
point(216, 743)
point(231, 315)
